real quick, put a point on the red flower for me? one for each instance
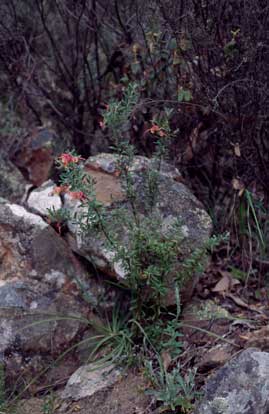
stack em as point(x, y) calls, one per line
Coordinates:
point(66, 159)
point(60, 189)
point(155, 129)
point(102, 124)
point(77, 195)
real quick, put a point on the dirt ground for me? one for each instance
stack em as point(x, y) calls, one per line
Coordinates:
point(126, 397)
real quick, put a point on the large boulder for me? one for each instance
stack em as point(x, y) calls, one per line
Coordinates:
point(41, 306)
point(174, 203)
point(240, 387)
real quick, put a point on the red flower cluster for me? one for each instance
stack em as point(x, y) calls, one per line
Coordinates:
point(102, 124)
point(76, 195)
point(60, 189)
point(67, 159)
point(155, 129)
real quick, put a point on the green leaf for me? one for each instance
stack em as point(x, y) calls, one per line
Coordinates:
point(184, 95)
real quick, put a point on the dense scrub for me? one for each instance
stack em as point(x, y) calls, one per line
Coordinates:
point(182, 80)
point(201, 65)
point(60, 63)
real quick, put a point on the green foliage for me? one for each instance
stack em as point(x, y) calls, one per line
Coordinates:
point(252, 210)
point(80, 185)
point(184, 95)
point(118, 112)
point(196, 262)
point(165, 335)
point(238, 274)
point(148, 256)
point(230, 49)
point(253, 232)
point(49, 404)
point(59, 216)
point(164, 48)
point(114, 342)
point(147, 260)
point(252, 236)
point(170, 388)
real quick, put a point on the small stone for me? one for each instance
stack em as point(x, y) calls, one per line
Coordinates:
point(43, 198)
point(214, 358)
point(89, 379)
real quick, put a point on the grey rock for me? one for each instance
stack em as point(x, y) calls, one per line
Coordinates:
point(12, 182)
point(240, 387)
point(88, 380)
point(10, 295)
point(174, 203)
point(40, 278)
point(43, 198)
point(108, 163)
